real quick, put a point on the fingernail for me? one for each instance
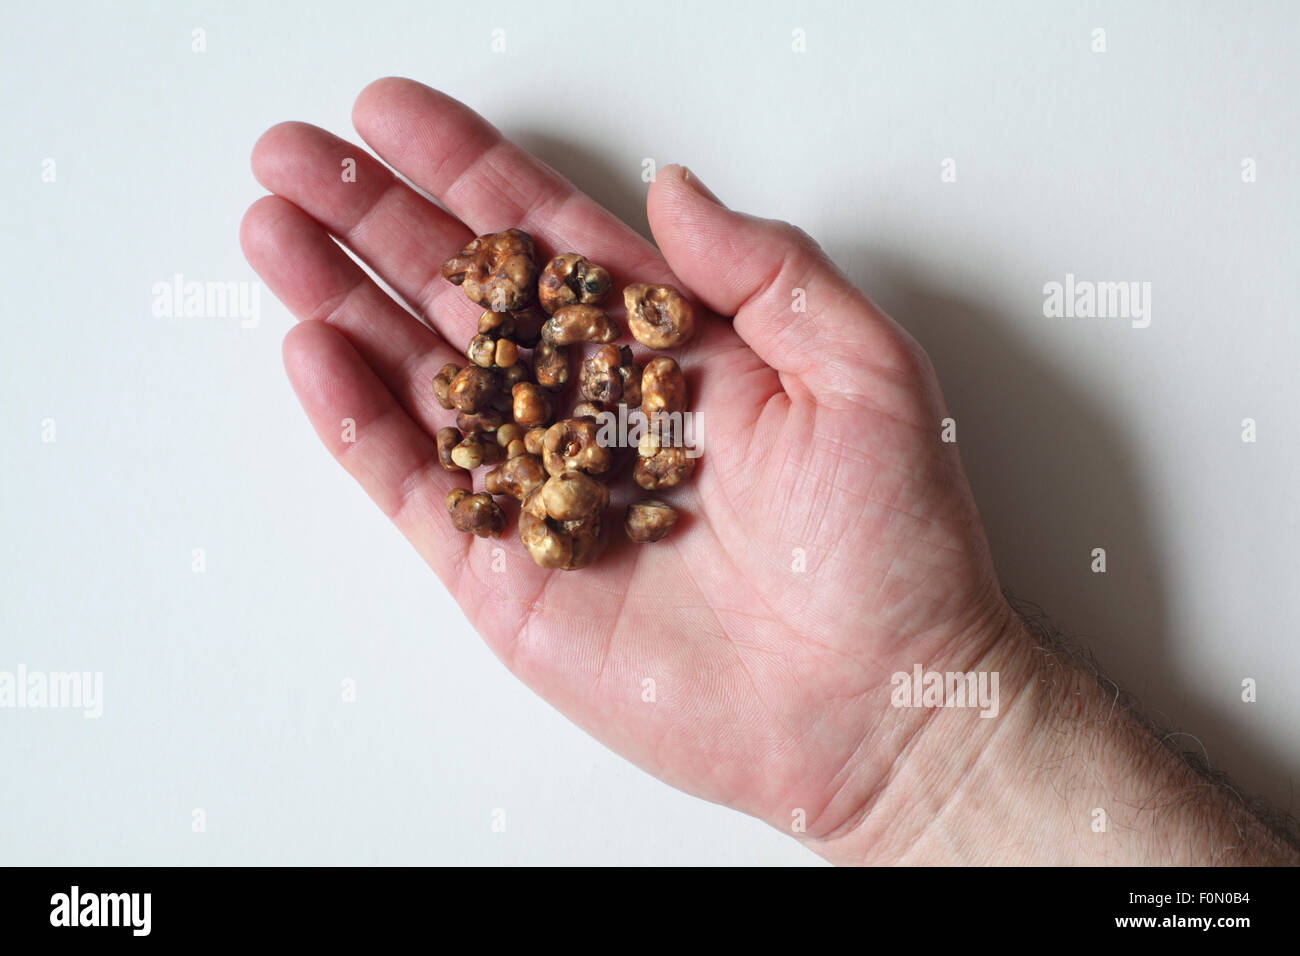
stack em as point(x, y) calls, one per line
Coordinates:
point(690, 179)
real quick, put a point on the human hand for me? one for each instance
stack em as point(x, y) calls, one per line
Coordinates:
point(828, 538)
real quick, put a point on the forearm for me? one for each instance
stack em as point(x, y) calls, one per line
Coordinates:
point(1065, 774)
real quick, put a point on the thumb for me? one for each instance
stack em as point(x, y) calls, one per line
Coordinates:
point(792, 306)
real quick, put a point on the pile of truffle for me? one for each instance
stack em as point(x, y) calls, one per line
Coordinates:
point(506, 410)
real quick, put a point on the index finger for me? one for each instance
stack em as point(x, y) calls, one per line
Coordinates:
point(489, 183)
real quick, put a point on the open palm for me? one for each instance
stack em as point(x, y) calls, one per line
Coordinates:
point(827, 540)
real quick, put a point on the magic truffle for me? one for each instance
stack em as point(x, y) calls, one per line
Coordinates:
point(509, 416)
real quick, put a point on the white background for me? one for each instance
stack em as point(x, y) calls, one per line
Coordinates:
point(222, 689)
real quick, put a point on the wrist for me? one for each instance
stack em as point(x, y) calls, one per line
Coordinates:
point(946, 791)
point(1063, 774)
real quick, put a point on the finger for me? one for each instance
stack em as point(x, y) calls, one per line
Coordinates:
point(315, 279)
point(397, 232)
point(396, 463)
point(791, 304)
point(393, 459)
point(488, 182)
